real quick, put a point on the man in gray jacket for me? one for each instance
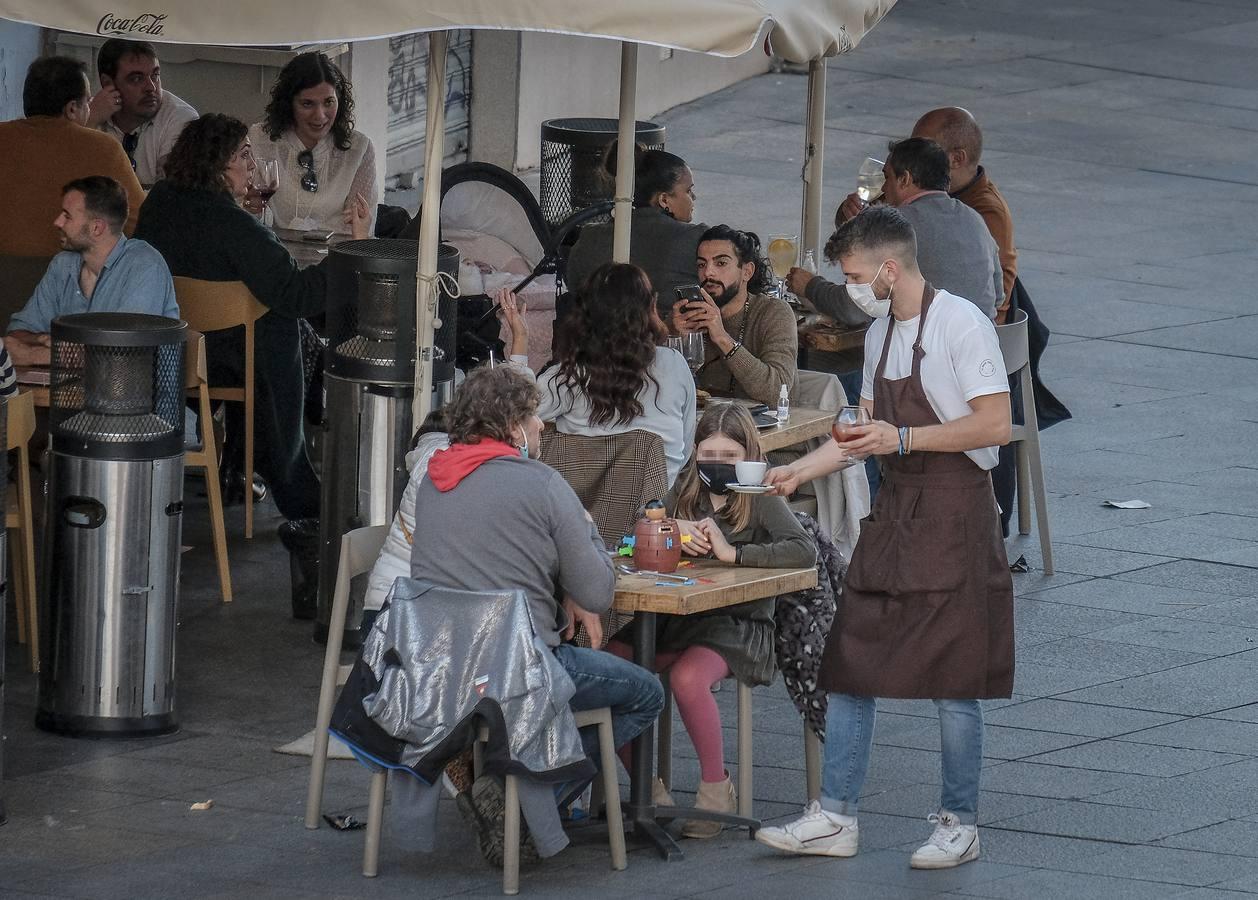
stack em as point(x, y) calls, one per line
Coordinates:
point(956, 251)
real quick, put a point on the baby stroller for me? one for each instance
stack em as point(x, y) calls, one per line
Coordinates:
point(504, 241)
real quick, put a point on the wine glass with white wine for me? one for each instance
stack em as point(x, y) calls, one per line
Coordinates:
point(783, 254)
point(870, 180)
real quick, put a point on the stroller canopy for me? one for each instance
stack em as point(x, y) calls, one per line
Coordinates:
point(480, 197)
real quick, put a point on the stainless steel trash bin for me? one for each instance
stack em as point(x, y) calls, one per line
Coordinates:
point(113, 523)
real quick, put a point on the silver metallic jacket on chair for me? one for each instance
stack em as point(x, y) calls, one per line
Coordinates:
point(446, 660)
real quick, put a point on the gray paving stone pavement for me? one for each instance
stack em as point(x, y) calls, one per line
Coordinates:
point(1126, 763)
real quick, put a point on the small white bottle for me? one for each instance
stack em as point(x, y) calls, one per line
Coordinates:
point(784, 406)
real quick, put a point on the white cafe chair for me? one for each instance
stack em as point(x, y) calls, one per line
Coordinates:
point(1015, 348)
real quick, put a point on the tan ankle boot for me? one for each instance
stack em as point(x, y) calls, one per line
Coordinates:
point(714, 796)
point(660, 795)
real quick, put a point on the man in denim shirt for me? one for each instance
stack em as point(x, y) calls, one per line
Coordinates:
point(99, 270)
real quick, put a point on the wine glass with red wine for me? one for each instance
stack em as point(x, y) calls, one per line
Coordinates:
point(848, 418)
point(266, 181)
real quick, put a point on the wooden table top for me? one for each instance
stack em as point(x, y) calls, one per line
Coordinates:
point(716, 585)
point(804, 423)
point(307, 253)
point(33, 373)
point(827, 336)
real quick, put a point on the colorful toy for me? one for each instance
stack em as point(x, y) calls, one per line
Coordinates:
point(657, 540)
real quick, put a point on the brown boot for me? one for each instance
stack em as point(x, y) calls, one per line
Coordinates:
point(714, 796)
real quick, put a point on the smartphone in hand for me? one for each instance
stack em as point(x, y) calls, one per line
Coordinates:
point(688, 294)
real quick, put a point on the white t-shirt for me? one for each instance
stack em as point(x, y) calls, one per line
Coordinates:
point(962, 360)
point(670, 413)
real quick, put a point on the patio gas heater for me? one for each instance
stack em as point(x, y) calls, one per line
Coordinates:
point(369, 377)
point(113, 523)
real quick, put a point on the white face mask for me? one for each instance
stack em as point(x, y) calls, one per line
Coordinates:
point(868, 302)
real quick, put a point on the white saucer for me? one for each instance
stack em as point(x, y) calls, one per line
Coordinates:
point(750, 488)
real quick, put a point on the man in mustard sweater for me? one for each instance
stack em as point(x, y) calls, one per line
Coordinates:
point(47, 150)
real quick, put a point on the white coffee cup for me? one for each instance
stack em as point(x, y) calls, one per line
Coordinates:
point(749, 472)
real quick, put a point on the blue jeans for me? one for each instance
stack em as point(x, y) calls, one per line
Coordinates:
point(850, 733)
point(635, 695)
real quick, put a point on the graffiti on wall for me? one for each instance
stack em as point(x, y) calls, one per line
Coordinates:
point(408, 100)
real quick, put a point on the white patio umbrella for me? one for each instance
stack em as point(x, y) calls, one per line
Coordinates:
point(798, 30)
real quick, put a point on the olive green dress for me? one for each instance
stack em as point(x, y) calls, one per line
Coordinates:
point(742, 634)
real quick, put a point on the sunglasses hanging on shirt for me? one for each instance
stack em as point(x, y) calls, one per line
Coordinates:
point(310, 180)
point(129, 143)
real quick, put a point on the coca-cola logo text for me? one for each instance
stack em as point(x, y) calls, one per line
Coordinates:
point(145, 23)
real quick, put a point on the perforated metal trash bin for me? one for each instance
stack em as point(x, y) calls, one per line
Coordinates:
point(113, 522)
point(573, 175)
point(370, 381)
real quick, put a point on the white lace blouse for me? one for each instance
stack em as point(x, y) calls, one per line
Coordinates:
point(341, 174)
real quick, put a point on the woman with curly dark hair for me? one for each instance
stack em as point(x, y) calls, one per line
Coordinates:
point(194, 218)
point(609, 375)
point(326, 167)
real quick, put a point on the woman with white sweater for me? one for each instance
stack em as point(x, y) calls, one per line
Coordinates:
point(327, 169)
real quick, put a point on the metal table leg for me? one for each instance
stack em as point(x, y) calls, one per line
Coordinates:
point(641, 808)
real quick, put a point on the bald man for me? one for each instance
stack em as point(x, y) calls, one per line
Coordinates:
point(954, 129)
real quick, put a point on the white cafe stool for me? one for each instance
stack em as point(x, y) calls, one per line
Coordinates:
point(1015, 348)
point(602, 717)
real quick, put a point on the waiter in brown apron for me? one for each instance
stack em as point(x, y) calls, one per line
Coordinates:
point(927, 608)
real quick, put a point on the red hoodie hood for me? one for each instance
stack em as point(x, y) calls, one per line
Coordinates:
point(448, 467)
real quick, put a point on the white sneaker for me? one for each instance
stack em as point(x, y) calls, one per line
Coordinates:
point(950, 845)
point(815, 833)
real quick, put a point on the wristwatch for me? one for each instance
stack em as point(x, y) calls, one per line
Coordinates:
point(732, 350)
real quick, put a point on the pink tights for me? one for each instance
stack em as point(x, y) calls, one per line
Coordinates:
point(691, 674)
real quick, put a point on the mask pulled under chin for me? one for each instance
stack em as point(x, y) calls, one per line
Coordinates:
point(717, 476)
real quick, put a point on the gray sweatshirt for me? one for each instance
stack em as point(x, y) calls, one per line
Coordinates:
point(513, 523)
point(955, 252)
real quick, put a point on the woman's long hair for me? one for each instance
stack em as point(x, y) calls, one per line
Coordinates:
point(306, 70)
point(605, 347)
point(202, 151)
point(730, 420)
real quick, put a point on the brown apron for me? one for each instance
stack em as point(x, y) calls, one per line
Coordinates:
point(927, 608)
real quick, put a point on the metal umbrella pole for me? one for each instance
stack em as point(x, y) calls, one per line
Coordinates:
point(430, 226)
point(624, 151)
point(814, 158)
point(426, 289)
